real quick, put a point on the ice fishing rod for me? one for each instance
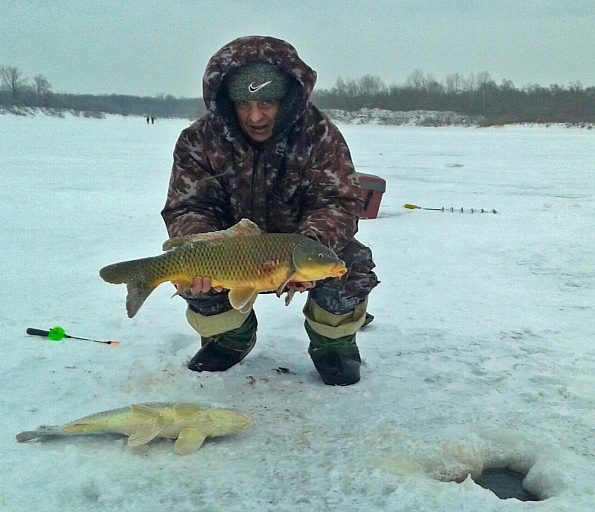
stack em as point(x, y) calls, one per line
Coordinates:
point(57, 334)
point(451, 209)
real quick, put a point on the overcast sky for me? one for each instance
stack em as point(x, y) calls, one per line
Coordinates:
point(162, 46)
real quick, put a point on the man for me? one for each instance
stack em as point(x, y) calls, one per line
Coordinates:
point(265, 153)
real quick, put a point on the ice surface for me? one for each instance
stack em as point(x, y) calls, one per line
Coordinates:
point(481, 354)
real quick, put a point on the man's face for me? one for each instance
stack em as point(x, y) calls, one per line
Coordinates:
point(257, 118)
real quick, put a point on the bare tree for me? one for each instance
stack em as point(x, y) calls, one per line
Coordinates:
point(345, 87)
point(454, 83)
point(423, 82)
point(43, 89)
point(470, 84)
point(11, 79)
point(484, 79)
point(485, 87)
point(416, 80)
point(369, 85)
point(507, 85)
point(433, 86)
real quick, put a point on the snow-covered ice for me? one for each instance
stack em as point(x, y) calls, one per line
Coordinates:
point(481, 354)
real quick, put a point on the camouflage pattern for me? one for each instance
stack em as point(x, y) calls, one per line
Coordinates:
point(300, 181)
point(339, 296)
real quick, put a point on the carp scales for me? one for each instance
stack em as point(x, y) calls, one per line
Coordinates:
point(242, 259)
point(190, 424)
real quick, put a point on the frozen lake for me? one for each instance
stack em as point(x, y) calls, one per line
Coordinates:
point(481, 354)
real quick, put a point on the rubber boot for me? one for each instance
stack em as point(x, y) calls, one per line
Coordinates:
point(222, 351)
point(336, 360)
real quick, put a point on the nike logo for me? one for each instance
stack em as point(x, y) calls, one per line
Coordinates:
point(253, 88)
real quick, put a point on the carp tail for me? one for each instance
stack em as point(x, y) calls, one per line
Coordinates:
point(23, 437)
point(133, 274)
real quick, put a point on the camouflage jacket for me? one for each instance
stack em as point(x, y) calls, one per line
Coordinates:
point(300, 181)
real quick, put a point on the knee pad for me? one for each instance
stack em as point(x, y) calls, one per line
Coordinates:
point(335, 326)
point(212, 325)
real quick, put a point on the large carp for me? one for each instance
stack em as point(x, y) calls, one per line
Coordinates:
point(241, 259)
point(189, 424)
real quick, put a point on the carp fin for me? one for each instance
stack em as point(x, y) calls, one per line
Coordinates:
point(189, 441)
point(175, 243)
point(145, 411)
point(42, 431)
point(137, 295)
point(290, 278)
point(143, 436)
point(184, 410)
point(243, 299)
point(243, 228)
point(289, 296)
point(23, 437)
point(131, 273)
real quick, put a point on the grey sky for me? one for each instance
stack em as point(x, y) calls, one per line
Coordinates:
point(162, 46)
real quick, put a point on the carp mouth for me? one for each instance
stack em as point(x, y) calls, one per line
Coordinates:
point(338, 270)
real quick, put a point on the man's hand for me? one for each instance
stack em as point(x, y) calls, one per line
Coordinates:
point(297, 287)
point(202, 285)
point(300, 287)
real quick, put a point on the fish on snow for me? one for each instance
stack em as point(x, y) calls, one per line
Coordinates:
point(242, 259)
point(190, 424)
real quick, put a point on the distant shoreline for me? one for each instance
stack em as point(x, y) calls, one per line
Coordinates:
point(363, 116)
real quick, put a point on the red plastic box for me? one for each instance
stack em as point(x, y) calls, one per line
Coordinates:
point(372, 189)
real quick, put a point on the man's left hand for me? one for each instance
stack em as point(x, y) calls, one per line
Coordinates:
point(293, 287)
point(300, 287)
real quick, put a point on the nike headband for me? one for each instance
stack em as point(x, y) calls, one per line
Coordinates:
point(258, 82)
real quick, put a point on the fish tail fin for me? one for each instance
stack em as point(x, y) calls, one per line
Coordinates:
point(137, 294)
point(27, 436)
point(132, 273)
point(23, 437)
point(123, 272)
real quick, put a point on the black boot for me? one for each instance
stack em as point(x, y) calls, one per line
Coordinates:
point(222, 351)
point(336, 360)
point(368, 320)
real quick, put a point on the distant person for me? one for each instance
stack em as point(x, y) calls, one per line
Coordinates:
point(152, 120)
point(147, 120)
point(265, 153)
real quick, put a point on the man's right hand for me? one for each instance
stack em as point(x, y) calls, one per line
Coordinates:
point(203, 285)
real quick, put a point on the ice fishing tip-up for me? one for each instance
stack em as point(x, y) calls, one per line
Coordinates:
point(451, 209)
point(57, 333)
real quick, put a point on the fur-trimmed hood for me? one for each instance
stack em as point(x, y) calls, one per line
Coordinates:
point(246, 50)
point(302, 180)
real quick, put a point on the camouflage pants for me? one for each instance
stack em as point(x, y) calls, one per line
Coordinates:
point(337, 296)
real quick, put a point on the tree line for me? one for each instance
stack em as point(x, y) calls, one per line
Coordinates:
point(477, 95)
point(17, 91)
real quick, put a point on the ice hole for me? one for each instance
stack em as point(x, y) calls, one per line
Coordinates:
point(505, 483)
point(506, 463)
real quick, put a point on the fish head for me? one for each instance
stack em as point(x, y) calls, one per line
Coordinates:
point(315, 261)
point(227, 422)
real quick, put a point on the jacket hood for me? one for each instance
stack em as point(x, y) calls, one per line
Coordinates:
point(246, 50)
